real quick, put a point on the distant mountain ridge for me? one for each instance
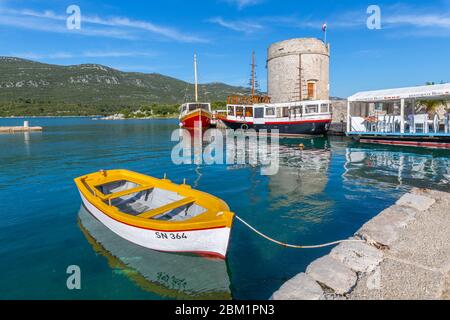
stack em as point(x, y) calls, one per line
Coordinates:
point(94, 86)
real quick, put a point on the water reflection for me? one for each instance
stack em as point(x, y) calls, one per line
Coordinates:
point(303, 172)
point(422, 168)
point(176, 276)
point(302, 179)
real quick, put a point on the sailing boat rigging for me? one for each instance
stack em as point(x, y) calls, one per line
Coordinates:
point(195, 114)
point(297, 118)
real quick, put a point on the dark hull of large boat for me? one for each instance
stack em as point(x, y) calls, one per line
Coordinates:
point(287, 129)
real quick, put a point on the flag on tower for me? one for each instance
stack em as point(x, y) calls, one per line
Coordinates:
point(324, 29)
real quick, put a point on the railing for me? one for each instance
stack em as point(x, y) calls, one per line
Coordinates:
point(413, 124)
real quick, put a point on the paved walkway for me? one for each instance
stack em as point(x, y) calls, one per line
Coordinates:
point(406, 256)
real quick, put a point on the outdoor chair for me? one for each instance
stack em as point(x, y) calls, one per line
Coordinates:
point(412, 128)
point(398, 120)
point(436, 123)
point(394, 123)
point(389, 123)
point(447, 123)
point(418, 121)
point(381, 124)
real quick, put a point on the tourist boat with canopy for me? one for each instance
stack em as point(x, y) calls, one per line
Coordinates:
point(195, 114)
point(311, 117)
point(303, 117)
point(156, 213)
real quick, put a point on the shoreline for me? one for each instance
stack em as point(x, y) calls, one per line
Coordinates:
point(403, 254)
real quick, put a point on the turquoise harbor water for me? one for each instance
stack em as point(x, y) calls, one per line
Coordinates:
point(323, 193)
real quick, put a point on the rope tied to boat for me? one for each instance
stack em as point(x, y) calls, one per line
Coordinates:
point(293, 245)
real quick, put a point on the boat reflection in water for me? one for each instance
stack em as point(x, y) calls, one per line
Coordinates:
point(176, 276)
point(303, 169)
point(302, 179)
point(408, 168)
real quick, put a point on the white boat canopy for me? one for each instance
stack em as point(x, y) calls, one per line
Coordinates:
point(399, 104)
point(421, 92)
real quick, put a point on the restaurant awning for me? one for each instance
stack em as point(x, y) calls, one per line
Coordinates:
point(420, 92)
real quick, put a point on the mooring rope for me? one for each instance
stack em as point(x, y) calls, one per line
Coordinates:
point(293, 245)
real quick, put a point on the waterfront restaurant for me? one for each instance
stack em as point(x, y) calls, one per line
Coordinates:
point(416, 116)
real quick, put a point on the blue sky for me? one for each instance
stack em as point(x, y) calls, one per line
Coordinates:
point(412, 47)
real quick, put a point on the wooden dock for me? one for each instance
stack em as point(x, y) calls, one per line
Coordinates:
point(19, 129)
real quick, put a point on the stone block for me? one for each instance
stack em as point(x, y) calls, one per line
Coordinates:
point(384, 228)
point(358, 256)
point(301, 287)
point(333, 274)
point(416, 201)
point(435, 194)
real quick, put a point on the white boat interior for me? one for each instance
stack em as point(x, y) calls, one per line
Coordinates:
point(186, 108)
point(279, 112)
point(152, 198)
point(116, 186)
point(400, 111)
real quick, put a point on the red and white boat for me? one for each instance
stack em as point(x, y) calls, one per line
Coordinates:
point(195, 114)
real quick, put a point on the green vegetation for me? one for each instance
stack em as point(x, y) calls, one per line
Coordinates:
point(154, 110)
point(432, 106)
point(219, 105)
point(30, 88)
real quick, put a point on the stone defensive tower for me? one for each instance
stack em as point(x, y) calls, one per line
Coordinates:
point(298, 69)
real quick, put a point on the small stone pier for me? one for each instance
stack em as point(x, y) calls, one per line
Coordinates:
point(405, 255)
point(24, 128)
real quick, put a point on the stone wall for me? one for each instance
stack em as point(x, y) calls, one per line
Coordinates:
point(339, 109)
point(339, 122)
point(283, 75)
point(402, 253)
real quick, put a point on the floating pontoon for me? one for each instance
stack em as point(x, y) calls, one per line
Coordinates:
point(398, 116)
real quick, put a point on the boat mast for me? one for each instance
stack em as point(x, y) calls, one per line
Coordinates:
point(300, 93)
point(253, 73)
point(195, 77)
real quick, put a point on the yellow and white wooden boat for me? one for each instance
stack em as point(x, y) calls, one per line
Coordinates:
point(156, 213)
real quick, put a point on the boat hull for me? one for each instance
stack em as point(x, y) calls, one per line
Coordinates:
point(195, 119)
point(209, 242)
point(213, 283)
point(292, 128)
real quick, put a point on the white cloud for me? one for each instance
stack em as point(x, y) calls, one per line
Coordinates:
point(346, 20)
point(408, 21)
point(395, 17)
point(419, 20)
point(244, 3)
point(122, 27)
point(239, 25)
point(86, 54)
point(45, 22)
point(116, 54)
point(167, 32)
